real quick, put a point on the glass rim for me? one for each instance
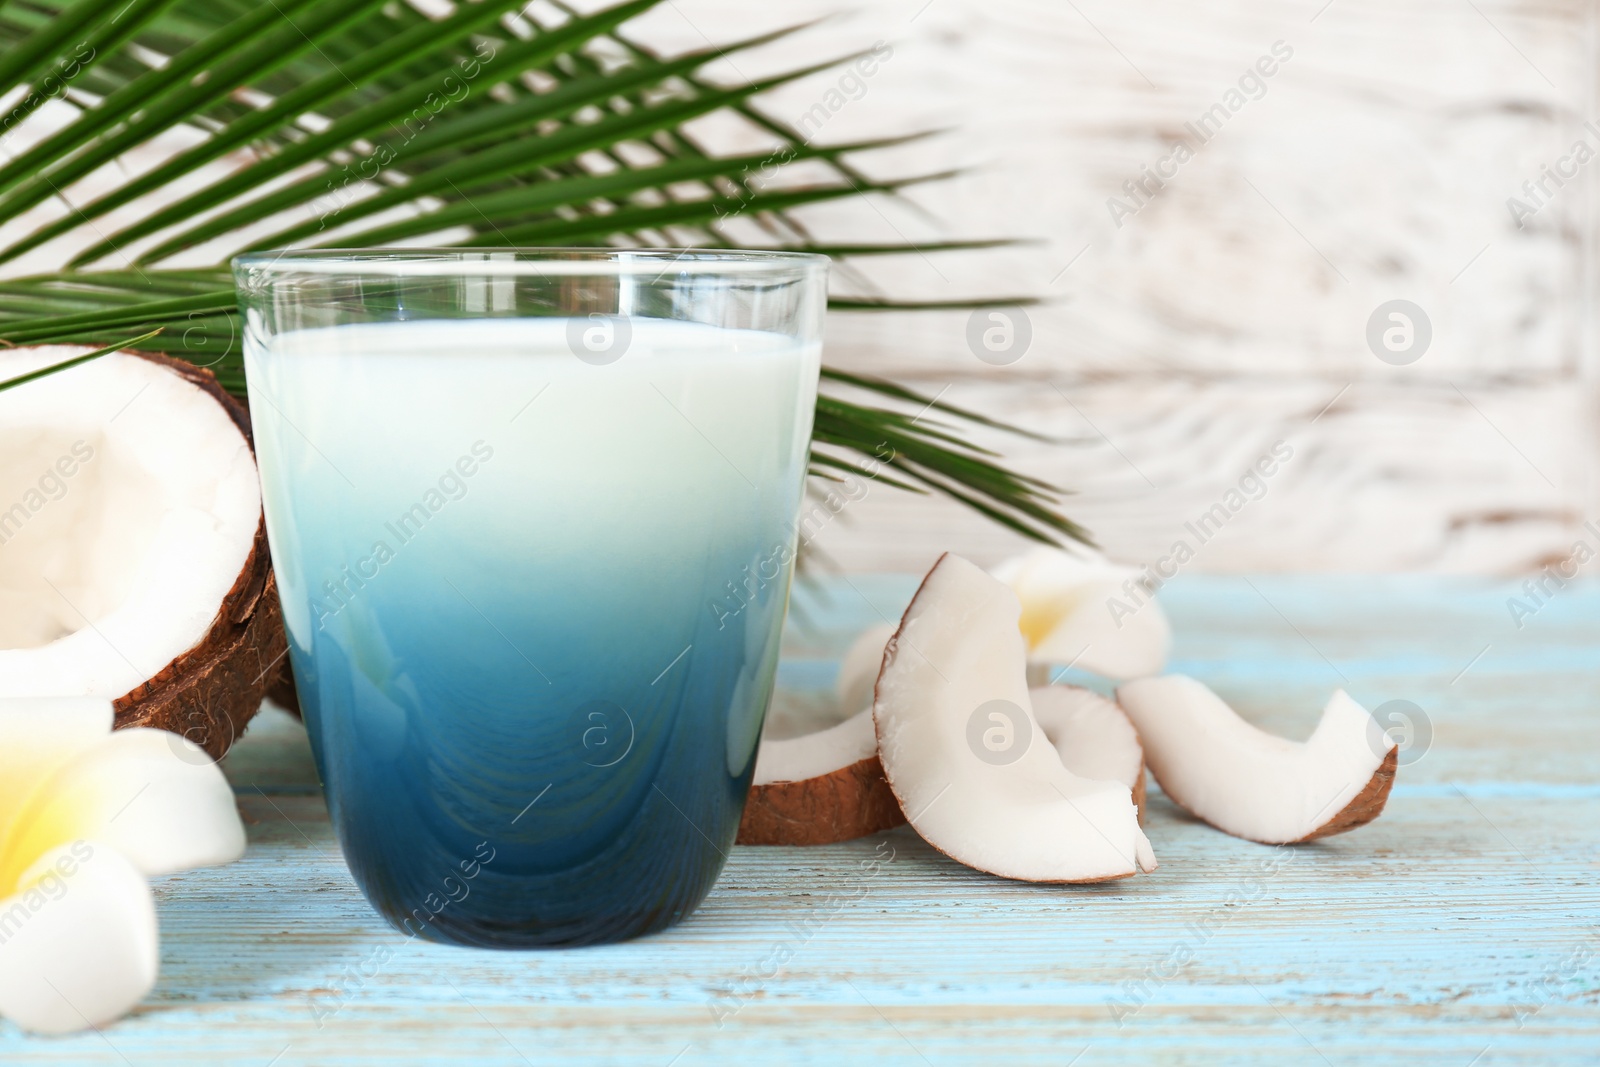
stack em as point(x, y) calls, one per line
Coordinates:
point(533, 261)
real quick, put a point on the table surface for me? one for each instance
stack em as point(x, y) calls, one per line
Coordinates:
point(1461, 928)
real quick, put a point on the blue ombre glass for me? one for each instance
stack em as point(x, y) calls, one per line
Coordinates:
point(532, 515)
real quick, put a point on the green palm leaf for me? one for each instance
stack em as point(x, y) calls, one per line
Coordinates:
point(232, 124)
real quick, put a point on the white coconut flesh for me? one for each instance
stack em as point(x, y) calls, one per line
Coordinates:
point(810, 738)
point(817, 779)
point(812, 755)
point(129, 505)
point(858, 669)
point(957, 651)
point(1091, 734)
point(1077, 610)
point(1246, 781)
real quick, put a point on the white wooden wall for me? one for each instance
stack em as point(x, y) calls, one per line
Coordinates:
point(1229, 312)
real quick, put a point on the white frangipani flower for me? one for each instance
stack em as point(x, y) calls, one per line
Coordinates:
point(86, 816)
point(1080, 609)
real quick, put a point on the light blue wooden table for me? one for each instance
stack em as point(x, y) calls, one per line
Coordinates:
point(1461, 928)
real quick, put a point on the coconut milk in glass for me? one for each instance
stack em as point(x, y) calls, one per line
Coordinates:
point(515, 502)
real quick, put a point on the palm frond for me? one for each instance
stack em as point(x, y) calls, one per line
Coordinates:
point(23, 379)
point(183, 131)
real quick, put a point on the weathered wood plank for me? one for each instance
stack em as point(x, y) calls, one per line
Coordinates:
point(1423, 935)
point(1466, 919)
point(1384, 476)
point(1376, 164)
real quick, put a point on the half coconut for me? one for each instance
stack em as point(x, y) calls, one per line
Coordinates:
point(133, 555)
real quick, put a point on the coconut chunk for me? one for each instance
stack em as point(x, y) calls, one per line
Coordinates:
point(1093, 736)
point(133, 555)
point(819, 788)
point(858, 670)
point(967, 759)
point(795, 759)
point(1253, 784)
point(817, 778)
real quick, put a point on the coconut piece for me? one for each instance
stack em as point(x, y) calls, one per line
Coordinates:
point(858, 670)
point(824, 783)
point(133, 552)
point(1253, 784)
point(1092, 735)
point(1080, 609)
point(965, 756)
point(819, 788)
point(796, 759)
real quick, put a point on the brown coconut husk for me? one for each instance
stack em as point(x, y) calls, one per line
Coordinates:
point(1365, 805)
point(1139, 792)
point(842, 805)
point(210, 693)
point(281, 690)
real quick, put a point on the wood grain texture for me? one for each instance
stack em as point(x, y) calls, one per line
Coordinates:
point(1382, 477)
point(1376, 164)
point(1464, 923)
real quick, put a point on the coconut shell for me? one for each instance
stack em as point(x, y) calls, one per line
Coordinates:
point(1362, 809)
point(1139, 792)
point(841, 805)
point(280, 688)
point(209, 693)
point(1365, 805)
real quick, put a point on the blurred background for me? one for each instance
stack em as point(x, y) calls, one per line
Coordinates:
point(1214, 210)
point(1179, 336)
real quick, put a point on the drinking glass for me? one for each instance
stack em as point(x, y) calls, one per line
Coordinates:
point(533, 518)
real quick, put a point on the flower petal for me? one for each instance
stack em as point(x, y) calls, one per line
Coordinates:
point(38, 736)
point(1108, 634)
point(153, 796)
point(1078, 608)
point(78, 943)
